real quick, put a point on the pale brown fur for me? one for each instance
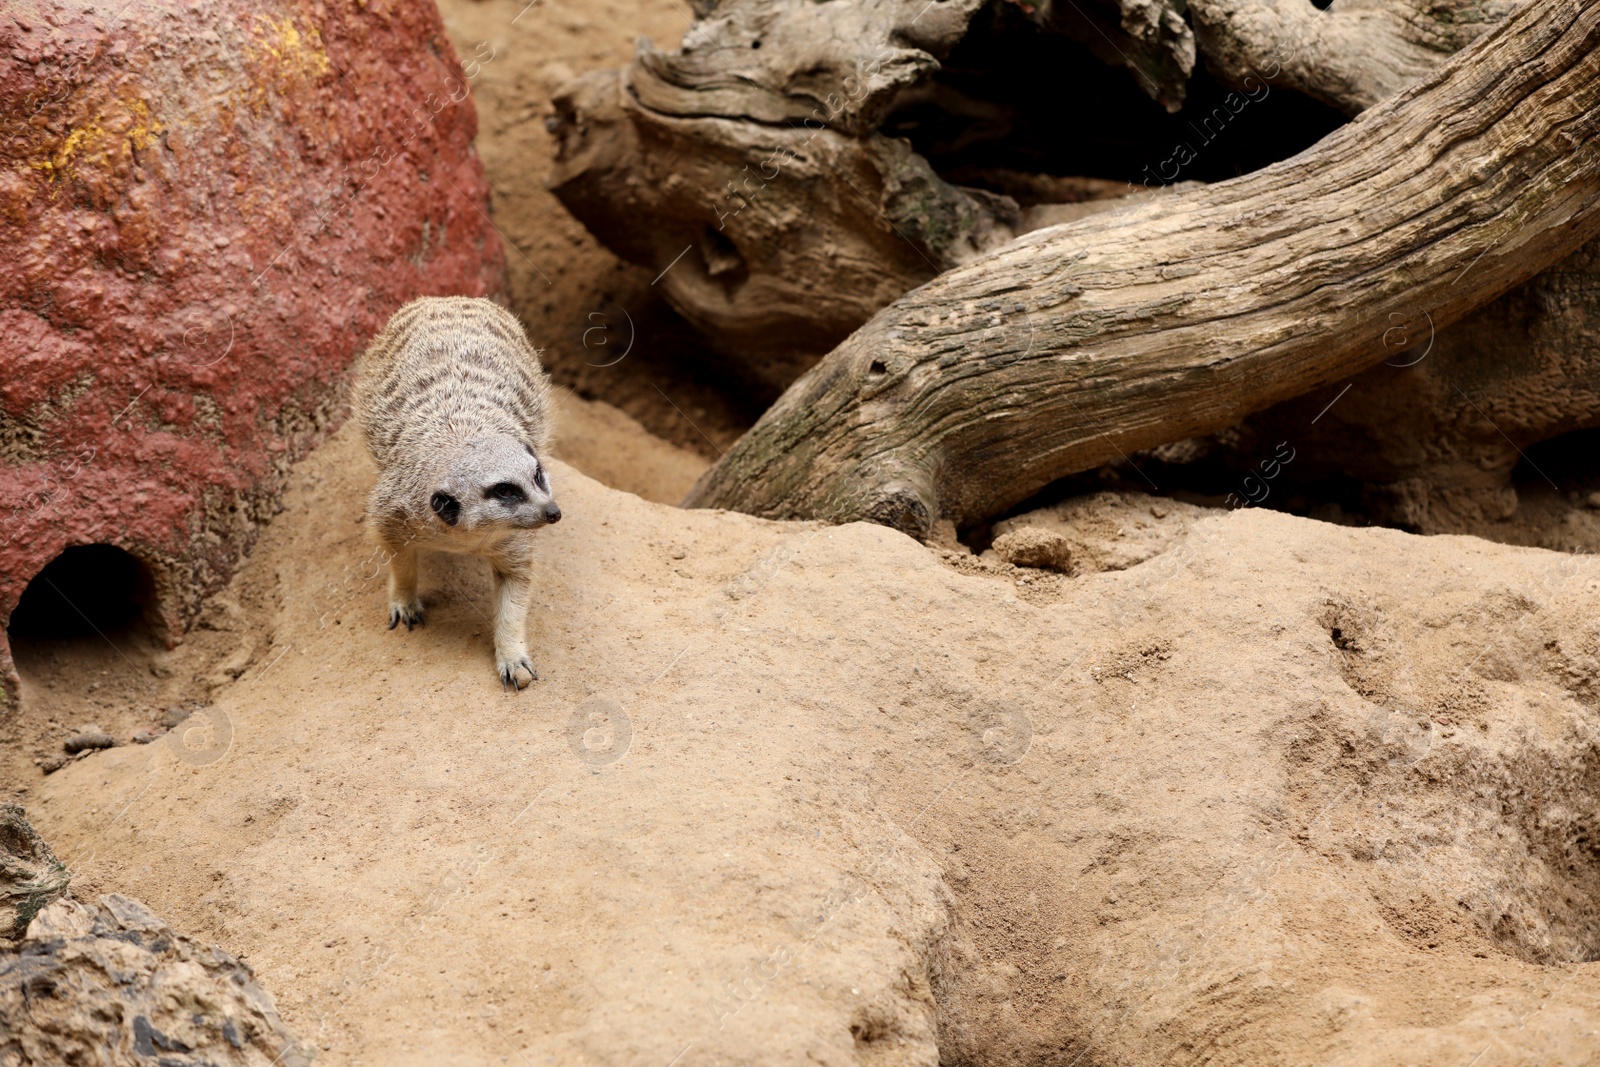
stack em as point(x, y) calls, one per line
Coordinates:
point(455, 408)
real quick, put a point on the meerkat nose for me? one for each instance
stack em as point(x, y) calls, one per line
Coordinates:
point(552, 513)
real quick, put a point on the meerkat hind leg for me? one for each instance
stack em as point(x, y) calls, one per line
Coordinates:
point(404, 604)
point(512, 589)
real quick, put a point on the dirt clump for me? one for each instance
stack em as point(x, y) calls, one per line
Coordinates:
point(1029, 546)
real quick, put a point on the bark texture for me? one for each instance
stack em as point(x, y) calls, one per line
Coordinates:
point(778, 220)
point(1350, 55)
point(1077, 344)
point(779, 217)
point(1435, 431)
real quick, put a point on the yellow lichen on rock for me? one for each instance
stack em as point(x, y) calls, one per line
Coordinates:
point(296, 57)
point(111, 137)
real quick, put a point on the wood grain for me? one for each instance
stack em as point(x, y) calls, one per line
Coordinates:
point(1178, 316)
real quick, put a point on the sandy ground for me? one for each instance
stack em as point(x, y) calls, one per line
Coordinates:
point(610, 447)
point(127, 681)
point(1284, 792)
point(601, 331)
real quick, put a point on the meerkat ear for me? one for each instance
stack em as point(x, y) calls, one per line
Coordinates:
point(446, 507)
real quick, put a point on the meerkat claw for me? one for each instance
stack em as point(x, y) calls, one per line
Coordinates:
point(510, 674)
point(410, 614)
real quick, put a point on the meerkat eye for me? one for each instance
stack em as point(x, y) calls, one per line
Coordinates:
point(506, 493)
point(541, 480)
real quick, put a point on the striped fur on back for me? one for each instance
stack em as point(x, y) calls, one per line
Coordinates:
point(449, 367)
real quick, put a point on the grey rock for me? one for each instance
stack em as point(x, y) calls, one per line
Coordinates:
point(30, 874)
point(112, 984)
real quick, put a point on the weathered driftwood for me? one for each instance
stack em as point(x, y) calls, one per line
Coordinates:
point(1149, 37)
point(1435, 431)
point(777, 247)
point(746, 168)
point(1083, 342)
point(1350, 55)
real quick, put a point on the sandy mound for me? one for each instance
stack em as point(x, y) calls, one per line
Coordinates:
point(123, 686)
point(1109, 531)
point(613, 449)
point(1285, 792)
point(1246, 789)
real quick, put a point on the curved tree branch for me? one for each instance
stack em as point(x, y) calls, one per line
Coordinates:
point(1349, 56)
point(1177, 317)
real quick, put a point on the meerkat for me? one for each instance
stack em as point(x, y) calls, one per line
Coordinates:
point(455, 408)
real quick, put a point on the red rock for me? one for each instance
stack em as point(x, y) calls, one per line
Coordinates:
point(206, 213)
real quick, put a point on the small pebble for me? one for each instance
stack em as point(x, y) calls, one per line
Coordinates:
point(144, 737)
point(52, 764)
point(1593, 500)
point(89, 739)
point(174, 715)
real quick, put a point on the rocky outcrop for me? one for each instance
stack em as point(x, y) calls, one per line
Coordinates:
point(30, 875)
point(112, 984)
point(204, 215)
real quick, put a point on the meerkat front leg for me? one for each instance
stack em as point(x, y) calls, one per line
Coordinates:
point(404, 604)
point(512, 591)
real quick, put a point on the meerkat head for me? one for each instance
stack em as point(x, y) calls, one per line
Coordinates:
point(494, 481)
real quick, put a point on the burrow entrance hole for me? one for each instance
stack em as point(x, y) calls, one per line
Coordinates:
point(91, 600)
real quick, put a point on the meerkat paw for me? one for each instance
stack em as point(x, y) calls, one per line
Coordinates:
point(408, 612)
point(516, 672)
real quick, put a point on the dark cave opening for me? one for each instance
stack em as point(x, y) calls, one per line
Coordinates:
point(1015, 97)
point(93, 591)
point(1568, 463)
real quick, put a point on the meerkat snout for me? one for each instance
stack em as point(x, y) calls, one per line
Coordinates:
point(494, 482)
